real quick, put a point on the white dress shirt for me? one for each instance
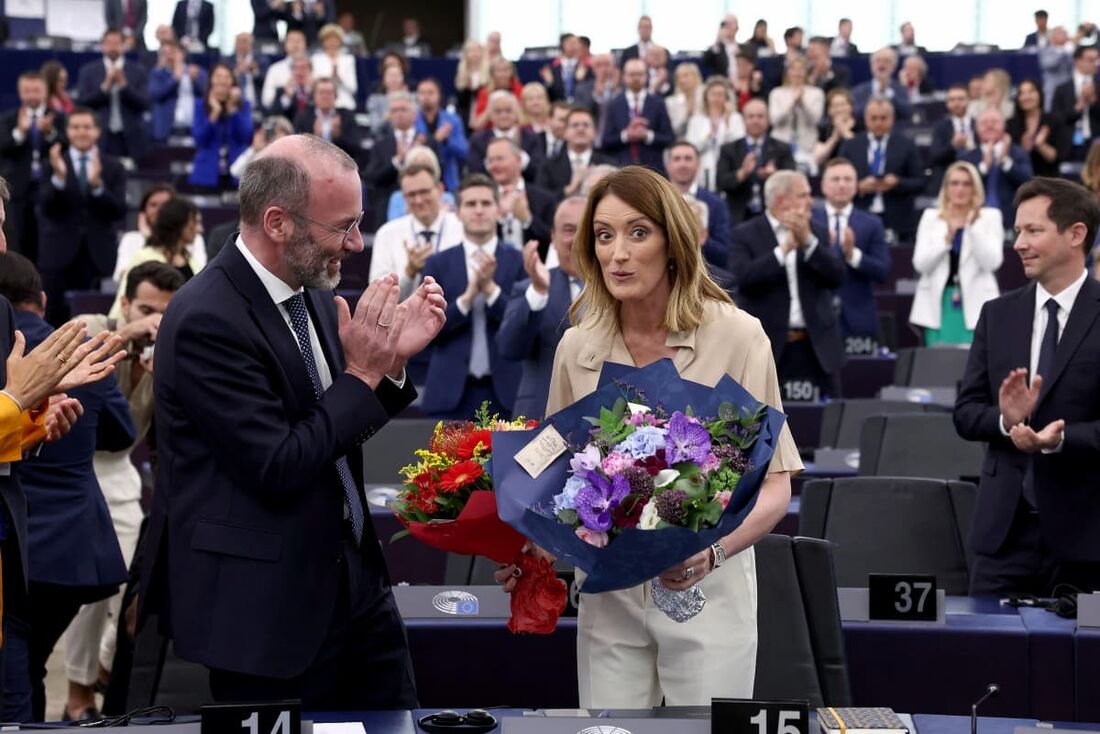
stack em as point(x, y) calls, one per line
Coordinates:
point(831, 215)
point(469, 248)
point(635, 102)
point(789, 261)
point(878, 205)
point(537, 301)
point(1085, 124)
point(184, 114)
point(964, 125)
point(74, 163)
point(278, 74)
point(388, 254)
point(347, 83)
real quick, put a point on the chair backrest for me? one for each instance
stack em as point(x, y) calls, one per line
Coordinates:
point(892, 525)
point(930, 366)
point(916, 445)
point(800, 652)
point(842, 420)
point(393, 447)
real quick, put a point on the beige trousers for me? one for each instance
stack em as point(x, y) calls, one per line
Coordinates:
point(631, 655)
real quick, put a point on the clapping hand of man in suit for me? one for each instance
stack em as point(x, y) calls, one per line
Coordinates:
point(1017, 401)
point(61, 415)
point(797, 222)
point(637, 129)
point(95, 172)
point(482, 280)
point(57, 162)
point(847, 241)
point(418, 254)
point(536, 268)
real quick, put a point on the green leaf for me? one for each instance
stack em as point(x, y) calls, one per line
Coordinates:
point(568, 517)
point(399, 535)
point(711, 513)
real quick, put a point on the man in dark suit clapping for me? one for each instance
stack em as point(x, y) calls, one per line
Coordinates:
point(1030, 394)
point(564, 173)
point(787, 275)
point(328, 122)
point(637, 128)
point(744, 165)
point(81, 208)
point(1077, 103)
point(118, 92)
point(262, 563)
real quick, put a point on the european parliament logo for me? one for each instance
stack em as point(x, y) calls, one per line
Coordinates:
point(604, 730)
point(458, 603)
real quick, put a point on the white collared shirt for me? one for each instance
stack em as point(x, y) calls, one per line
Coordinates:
point(538, 301)
point(845, 213)
point(636, 101)
point(469, 248)
point(581, 160)
point(108, 65)
point(388, 254)
point(280, 292)
point(965, 126)
point(1079, 81)
point(789, 261)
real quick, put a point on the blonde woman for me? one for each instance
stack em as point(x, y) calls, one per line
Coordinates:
point(960, 247)
point(795, 109)
point(647, 296)
point(996, 93)
point(687, 97)
point(715, 123)
point(502, 75)
point(334, 61)
point(473, 70)
point(534, 105)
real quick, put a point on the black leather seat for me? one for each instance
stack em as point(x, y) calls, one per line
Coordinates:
point(917, 445)
point(930, 366)
point(800, 654)
point(842, 420)
point(892, 525)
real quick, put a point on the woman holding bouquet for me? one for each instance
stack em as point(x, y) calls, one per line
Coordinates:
point(648, 297)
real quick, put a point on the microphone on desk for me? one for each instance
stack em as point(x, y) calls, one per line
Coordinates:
point(991, 691)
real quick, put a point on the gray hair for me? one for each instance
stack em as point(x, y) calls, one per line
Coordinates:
point(278, 180)
point(779, 184)
point(595, 173)
point(702, 214)
point(881, 99)
point(401, 96)
point(513, 145)
point(503, 94)
point(887, 51)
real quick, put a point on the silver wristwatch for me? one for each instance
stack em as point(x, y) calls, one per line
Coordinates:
point(719, 554)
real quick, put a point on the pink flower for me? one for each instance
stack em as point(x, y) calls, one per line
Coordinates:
point(592, 537)
point(615, 463)
point(723, 498)
point(712, 463)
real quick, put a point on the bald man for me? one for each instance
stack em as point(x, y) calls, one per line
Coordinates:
point(263, 563)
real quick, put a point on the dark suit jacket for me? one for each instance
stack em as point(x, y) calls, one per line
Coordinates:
point(71, 540)
point(942, 152)
point(1065, 483)
point(116, 18)
point(716, 60)
point(69, 220)
point(350, 139)
point(264, 26)
point(1007, 181)
point(206, 21)
point(839, 76)
point(617, 117)
point(1065, 100)
point(164, 93)
point(11, 491)
point(248, 515)
point(233, 133)
point(739, 193)
point(1060, 136)
point(133, 99)
point(717, 247)
point(380, 175)
point(903, 161)
point(861, 94)
point(16, 158)
point(450, 358)
point(528, 140)
point(1032, 39)
point(555, 173)
point(556, 89)
point(628, 53)
point(858, 312)
point(764, 293)
point(543, 204)
point(309, 23)
point(531, 337)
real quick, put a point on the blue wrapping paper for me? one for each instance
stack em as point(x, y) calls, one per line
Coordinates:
point(634, 556)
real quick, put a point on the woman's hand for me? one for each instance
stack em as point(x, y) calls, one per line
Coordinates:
point(33, 377)
point(92, 361)
point(683, 576)
point(508, 575)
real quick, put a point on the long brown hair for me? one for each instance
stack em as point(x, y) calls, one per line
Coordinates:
point(653, 196)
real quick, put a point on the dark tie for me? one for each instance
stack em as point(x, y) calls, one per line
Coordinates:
point(839, 234)
point(299, 318)
point(877, 158)
point(635, 149)
point(427, 235)
point(82, 172)
point(36, 146)
point(568, 79)
point(1047, 350)
point(992, 198)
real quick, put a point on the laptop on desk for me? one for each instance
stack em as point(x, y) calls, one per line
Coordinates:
point(451, 602)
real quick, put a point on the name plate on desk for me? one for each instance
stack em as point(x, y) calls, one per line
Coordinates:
point(562, 725)
point(452, 602)
point(855, 604)
point(281, 717)
point(901, 598)
point(740, 716)
point(931, 395)
point(1088, 610)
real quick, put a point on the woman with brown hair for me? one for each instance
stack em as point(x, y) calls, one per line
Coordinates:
point(647, 296)
point(56, 77)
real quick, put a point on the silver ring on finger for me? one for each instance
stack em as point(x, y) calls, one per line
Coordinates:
point(689, 573)
point(384, 326)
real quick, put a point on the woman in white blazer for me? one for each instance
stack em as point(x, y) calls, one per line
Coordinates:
point(960, 247)
point(795, 109)
point(714, 124)
point(333, 61)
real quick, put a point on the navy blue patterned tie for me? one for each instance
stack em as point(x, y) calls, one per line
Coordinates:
point(299, 318)
point(1047, 349)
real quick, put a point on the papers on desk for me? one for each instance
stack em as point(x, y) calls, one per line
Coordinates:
point(351, 727)
point(860, 721)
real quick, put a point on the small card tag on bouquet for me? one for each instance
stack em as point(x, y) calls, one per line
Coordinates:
point(637, 409)
point(541, 452)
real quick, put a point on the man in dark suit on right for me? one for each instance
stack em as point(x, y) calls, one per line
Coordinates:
point(82, 205)
point(564, 173)
point(636, 125)
point(889, 169)
point(118, 92)
point(745, 164)
point(328, 122)
point(261, 561)
point(1077, 103)
point(952, 136)
point(1030, 393)
point(787, 276)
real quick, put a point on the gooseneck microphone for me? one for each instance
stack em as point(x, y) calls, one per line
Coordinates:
point(991, 691)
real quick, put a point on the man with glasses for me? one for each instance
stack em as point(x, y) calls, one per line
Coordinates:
point(262, 563)
point(564, 173)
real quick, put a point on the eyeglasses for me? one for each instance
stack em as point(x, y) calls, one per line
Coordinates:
point(336, 230)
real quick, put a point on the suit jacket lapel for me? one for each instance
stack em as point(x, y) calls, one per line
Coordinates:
point(560, 293)
point(1085, 310)
point(270, 320)
point(326, 328)
point(1019, 340)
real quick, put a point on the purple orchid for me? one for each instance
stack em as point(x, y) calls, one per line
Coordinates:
point(687, 440)
point(600, 495)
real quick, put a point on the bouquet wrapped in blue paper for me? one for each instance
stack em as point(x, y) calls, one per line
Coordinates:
point(637, 476)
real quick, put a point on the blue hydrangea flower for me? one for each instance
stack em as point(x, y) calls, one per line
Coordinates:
point(565, 500)
point(687, 440)
point(600, 495)
point(644, 442)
